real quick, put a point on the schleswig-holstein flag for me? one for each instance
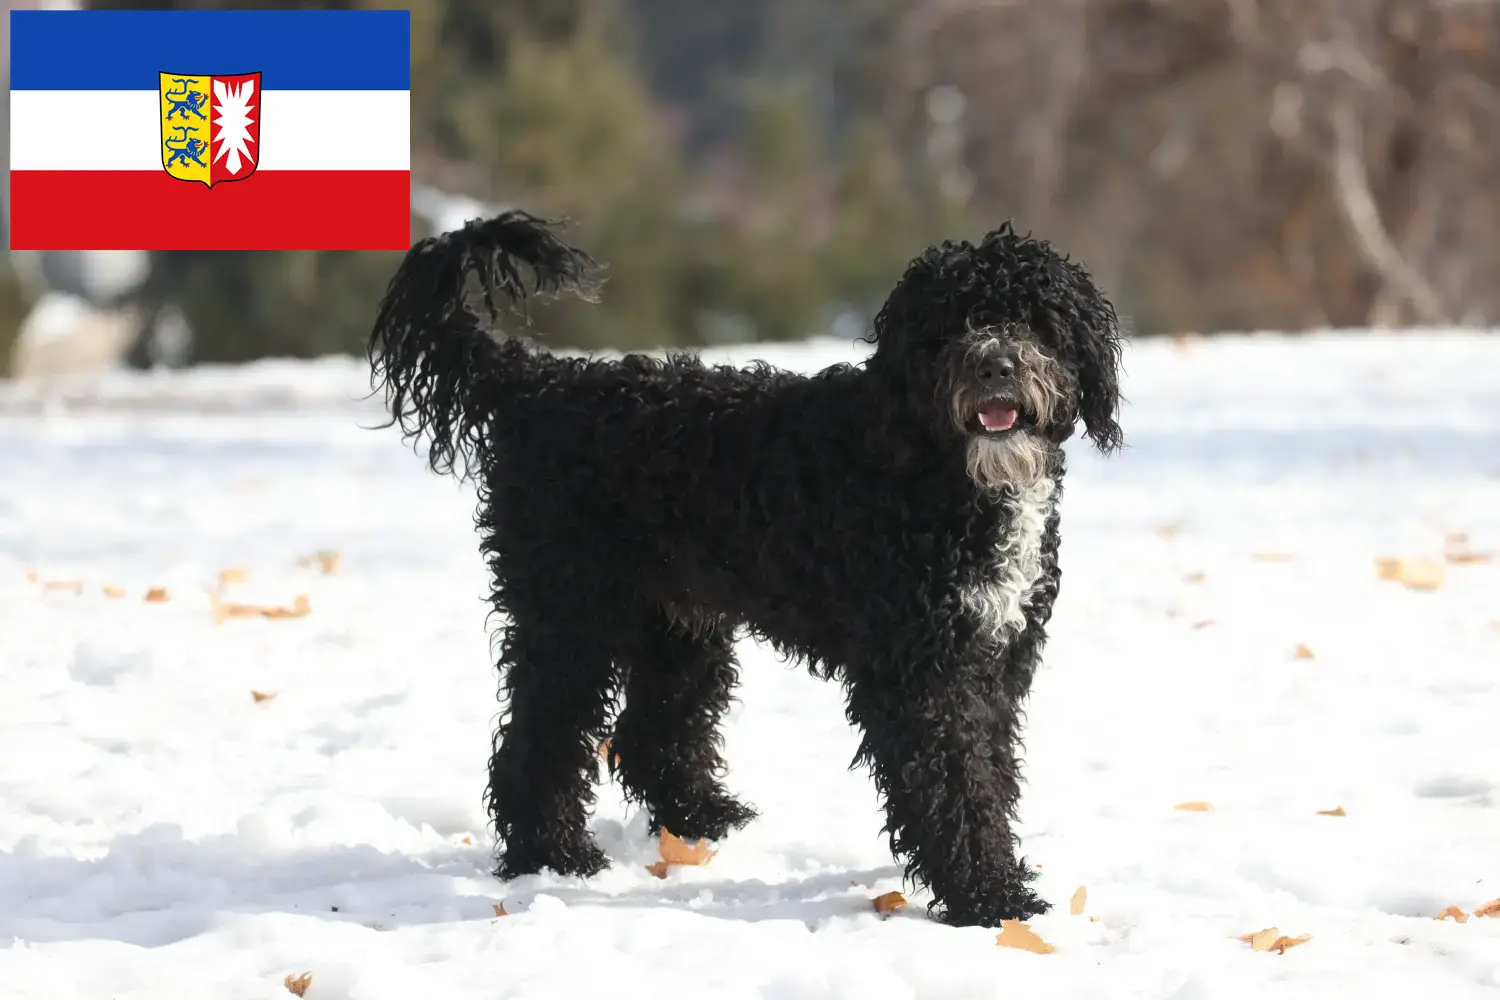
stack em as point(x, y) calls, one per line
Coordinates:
point(210, 130)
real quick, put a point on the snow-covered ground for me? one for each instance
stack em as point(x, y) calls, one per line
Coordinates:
point(164, 835)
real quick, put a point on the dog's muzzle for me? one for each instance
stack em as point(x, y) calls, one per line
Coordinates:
point(998, 408)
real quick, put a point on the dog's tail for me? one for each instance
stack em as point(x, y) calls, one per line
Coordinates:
point(442, 370)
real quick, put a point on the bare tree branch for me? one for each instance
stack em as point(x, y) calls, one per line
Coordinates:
point(1319, 57)
point(1059, 39)
point(1363, 216)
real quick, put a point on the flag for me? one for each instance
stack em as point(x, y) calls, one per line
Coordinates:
point(210, 130)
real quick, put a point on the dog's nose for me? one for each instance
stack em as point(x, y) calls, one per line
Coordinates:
point(994, 369)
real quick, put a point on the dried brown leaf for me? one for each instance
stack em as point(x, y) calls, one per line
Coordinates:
point(301, 608)
point(1205, 623)
point(1335, 811)
point(223, 611)
point(300, 984)
point(1453, 913)
point(658, 868)
point(1490, 909)
point(1194, 807)
point(1415, 574)
point(1262, 940)
point(31, 576)
point(604, 751)
point(1079, 900)
point(676, 851)
point(1272, 939)
point(500, 910)
point(1302, 652)
point(1456, 551)
point(467, 839)
point(156, 595)
point(887, 902)
point(262, 696)
point(110, 590)
point(326, 560)
point(1014, 934)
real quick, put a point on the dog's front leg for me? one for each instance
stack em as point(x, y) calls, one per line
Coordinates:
point(940, 734)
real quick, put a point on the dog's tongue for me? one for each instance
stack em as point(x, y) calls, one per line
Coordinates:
point(997, 415)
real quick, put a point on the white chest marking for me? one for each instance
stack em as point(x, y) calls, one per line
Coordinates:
point(999, 595)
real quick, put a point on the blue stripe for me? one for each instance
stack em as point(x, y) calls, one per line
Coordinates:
point(292, 49)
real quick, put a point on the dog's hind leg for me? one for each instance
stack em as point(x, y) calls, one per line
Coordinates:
point(678, 684)
point(558, 684)
point(941, 736)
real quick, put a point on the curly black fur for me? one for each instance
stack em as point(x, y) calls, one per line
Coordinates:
point(893, 524)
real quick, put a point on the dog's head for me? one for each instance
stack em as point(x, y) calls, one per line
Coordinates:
point(1006, 345)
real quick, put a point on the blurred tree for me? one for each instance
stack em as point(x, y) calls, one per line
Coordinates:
point(540, 104)
point(774, 279)
point(1220, 164)
point(14, 305)
point(697, 57)
point(529, 102)
point(245, 305)
point(567, 128)
point(880, 219)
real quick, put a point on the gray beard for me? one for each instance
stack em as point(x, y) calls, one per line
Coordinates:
point(1017, 460)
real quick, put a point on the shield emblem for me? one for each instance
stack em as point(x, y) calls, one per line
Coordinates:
point(210, 126)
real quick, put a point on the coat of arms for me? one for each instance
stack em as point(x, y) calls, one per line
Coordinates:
point(210, 126)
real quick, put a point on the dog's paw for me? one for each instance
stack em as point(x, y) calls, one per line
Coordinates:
point(711, 819)
point(584, 860)
point(1008, 901)
point(723, 814)
point(989, 915)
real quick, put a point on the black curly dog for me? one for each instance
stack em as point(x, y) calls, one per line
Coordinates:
point(893, 524)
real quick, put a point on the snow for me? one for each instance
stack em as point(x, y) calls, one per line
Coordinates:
point(164, 835)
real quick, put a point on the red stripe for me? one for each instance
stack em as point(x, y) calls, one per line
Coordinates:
point(270, 210)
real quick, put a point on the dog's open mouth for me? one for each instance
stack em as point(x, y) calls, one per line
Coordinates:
point(998, 415)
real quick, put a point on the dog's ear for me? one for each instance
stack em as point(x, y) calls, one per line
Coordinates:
point(1096, 349)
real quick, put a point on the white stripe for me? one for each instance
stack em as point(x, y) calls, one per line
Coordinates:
point(121, 130)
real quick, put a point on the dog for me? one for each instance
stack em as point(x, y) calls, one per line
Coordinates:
point(893, 524)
